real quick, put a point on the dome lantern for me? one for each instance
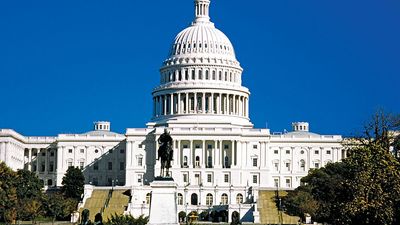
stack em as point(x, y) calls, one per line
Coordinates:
point(201, 8)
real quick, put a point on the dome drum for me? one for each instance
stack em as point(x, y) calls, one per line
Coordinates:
point(201, 79)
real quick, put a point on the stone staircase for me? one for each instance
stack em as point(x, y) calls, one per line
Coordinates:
point(116, 205)
point(269, 213)
point(95, 203)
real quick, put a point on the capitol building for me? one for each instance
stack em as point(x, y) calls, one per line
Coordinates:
point(220, 159)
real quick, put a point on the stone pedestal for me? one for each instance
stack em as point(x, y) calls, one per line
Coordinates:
point(163, 205)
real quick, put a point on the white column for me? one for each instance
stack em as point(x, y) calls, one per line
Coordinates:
point(226, 104)
point(212, 103)
point(234, 104)
point(247, 107)
point(262, 154)
point(165, 104)
point(171, 103)
point(233, 153)
point(187, 103)
point(178, 154)
point(179, 105)
point(195, 103)
point(203, 154)
point(29, 159)
point(203, 105)
point(37, 159)
point(190, 158)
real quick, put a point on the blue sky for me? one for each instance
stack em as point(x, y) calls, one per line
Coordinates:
point(65, 64)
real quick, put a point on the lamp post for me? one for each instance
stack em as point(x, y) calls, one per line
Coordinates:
point(186, 216)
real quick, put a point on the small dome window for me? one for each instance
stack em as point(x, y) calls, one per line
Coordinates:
point(205, 45)
point(200, 45)
point(189, 45)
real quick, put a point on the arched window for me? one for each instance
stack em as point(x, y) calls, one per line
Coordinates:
point(200, 75)
point(197, 162)
point(239, 198)
point(186, 75)
point(193, 74)
point(185, 161)
point(180, 75)
point(302, 165)
point(213, 74)
point(224, 199)
point(207, 76)
point(220, 75)
point(148, 198)
point(180, 199)
point(209, 199)
point(193, 199)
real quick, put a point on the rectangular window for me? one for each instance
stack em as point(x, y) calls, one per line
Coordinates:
point(276, 151)
point(209, 146)
point(197, 179)
point(254, 146)
point(109, 166)
point(81, 165)
point(226, 146)
point(69, 164)
point(51, 168)
point(226, 178)
point(51, 153)
point(288, 183)
point(328, 152)
point(122, 151)
point(185, 146)
point(276, 182)
point(287, 152)
point(197, 146)
point(96, 166)
point(288, 166)
point(121, 166)
point(43, 167)
point(140, 161)
point(82, 150)
point(140, 178)
point(316, 165)
point(316, 152)
point(185, 178)
point(276, 166)
point(255, 162)
point(140, 146)
point(69, 150)
point(43, 153)
point(209, 178)
point(255, 179)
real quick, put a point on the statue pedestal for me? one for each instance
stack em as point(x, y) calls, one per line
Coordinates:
point(163, 205)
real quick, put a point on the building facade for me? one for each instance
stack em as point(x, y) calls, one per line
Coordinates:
point(219, 157)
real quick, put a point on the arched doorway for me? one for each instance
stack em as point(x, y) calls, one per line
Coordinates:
point(193, 199)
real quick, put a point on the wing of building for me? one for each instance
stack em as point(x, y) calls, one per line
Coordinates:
point(219, 157)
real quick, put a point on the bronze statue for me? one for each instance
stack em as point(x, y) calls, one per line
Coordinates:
point(165, 153)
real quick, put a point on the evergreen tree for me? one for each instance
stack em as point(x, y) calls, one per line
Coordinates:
point(73, 183)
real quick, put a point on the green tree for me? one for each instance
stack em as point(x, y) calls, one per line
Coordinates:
point(29, 195)
point(57, 206)
point(362, 189)
point(8, 194)
point(73, 183)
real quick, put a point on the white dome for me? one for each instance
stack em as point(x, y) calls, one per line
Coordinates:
point(202, 38)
